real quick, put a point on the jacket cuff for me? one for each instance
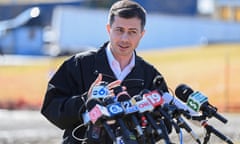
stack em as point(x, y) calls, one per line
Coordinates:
point(82, 109)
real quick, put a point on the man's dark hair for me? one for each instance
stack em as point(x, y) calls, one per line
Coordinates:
point(127, 9)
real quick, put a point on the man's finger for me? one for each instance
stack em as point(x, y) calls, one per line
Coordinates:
point(114, 84)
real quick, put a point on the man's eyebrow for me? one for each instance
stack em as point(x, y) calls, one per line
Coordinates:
point(118, 27)
point(128, 28)
point(132, 29)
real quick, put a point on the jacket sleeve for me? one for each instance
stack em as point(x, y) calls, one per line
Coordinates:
point(65, 97)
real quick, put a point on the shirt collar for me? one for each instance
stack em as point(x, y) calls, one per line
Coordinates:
point(112, 59)
point(115, 66)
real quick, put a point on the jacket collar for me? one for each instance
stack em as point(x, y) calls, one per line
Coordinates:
point(102, 65)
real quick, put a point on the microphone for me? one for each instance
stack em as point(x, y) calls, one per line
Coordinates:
point(97, 115)
point(130, 109)
point(183, 124)
point(173, 106)
point(185, 91)
point(100, 91)
point(94, 105)
point(170, 99)
point(145, 107)
point(174, 112)
point(197, 102)
point(157, 101)
point(116, 111)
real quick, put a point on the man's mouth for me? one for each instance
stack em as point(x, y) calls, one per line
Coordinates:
point(123, 47)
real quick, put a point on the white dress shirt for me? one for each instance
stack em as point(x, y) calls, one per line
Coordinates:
point(115, 66)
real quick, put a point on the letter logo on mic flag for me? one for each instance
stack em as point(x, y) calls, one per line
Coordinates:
point(144, 105)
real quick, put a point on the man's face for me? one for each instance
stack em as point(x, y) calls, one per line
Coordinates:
point(125, 35)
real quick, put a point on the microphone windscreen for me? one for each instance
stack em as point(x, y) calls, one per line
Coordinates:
point(123, 97)
point(117, 90)
point(144, 91)
point(108, 100)
point(92, 102)
point(183, 91)
point(158, 80)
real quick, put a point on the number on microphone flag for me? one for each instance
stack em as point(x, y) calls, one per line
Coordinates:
point(195, 101)
point(99, 91)
point(154, 98)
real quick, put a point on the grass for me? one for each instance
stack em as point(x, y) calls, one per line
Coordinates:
point(25, 85)
point(213, 70)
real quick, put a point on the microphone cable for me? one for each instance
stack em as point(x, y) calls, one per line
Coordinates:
point(75, 137)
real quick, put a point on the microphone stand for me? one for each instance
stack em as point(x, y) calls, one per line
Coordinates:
point(210, 129)
point(174, 112)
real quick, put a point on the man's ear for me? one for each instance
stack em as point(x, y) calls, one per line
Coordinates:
point(142, 33)
point(108, 28)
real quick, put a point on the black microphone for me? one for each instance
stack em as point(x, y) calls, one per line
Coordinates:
point(157, 101)
point(99, 117)
point(131, 109)
point(173, 106)
point(158, 81)
point(197, 102)
point(169, 98)
point(174, 112)
point(146, 108)
point(117, 112)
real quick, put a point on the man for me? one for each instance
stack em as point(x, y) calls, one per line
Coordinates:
point(115, 62)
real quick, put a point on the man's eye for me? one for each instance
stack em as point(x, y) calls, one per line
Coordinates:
point(132, 32)
point(119, 30)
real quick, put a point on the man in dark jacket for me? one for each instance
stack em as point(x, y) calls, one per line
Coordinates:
point(115, 62)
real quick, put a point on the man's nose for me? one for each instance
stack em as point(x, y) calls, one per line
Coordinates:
point(125, 36)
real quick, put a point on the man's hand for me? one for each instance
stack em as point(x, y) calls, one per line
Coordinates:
point(110, 85)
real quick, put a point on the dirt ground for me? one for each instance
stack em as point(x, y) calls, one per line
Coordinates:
point(27, 127)
point(30, 127)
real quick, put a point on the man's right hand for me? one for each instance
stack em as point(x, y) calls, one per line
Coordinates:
point(110, 86)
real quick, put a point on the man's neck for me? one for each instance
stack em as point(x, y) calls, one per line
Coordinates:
point(123, 61)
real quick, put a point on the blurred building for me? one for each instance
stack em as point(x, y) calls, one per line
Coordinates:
point(20, 33)
point(56, 28)
point(228, 10)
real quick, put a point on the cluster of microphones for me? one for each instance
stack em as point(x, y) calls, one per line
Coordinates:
point(148, 117)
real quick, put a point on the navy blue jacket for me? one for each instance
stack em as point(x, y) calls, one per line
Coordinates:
point(66, 92)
